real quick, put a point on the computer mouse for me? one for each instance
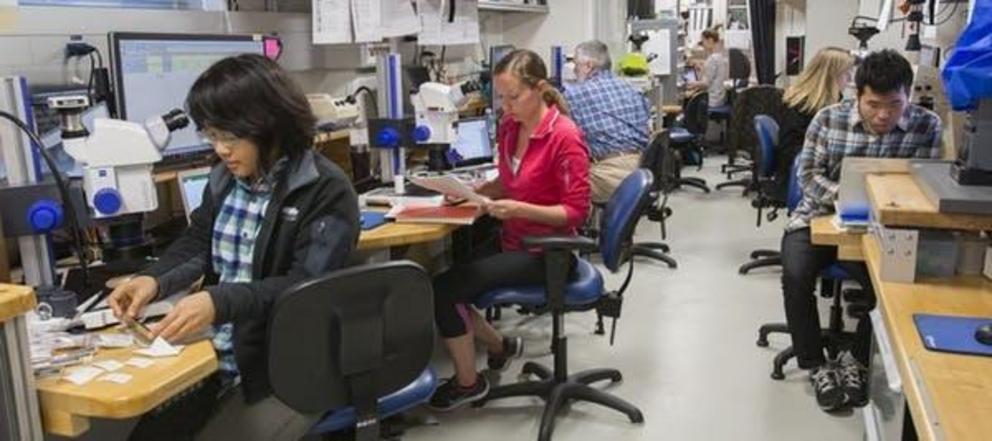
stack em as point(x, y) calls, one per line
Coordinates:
point(984, 334)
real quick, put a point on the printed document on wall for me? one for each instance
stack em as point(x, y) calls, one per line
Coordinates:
point(398, 18)
point(366, 15)
point(439, 27)
point(659, 46)
point(331, 21)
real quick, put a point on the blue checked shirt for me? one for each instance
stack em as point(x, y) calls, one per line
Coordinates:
point(838, 131)
point(235, 231)
point(611, 113)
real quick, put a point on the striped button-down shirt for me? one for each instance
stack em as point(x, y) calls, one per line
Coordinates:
point(838, 131)
point(612, 114)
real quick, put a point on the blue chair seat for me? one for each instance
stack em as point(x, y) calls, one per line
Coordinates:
point(415, 393)
point(585, 289)
point(834, 272)
point(680, 135)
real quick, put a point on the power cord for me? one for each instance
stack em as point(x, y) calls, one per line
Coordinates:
point(63, 188)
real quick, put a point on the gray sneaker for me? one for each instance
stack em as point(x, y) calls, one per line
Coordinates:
point(853, 377)
point(829, 394)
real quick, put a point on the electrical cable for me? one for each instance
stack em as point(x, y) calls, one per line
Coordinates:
point(63, 188)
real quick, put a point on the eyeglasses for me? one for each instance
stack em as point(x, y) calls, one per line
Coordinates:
point(215, 138)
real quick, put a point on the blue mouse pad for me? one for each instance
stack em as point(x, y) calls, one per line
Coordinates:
point(372, 219)
point(951, 333)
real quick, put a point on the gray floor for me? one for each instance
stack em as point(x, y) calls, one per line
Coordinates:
point(685, 345)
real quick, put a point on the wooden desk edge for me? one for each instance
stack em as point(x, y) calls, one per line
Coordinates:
point(15, 300)
point(921, 419)
point(62, 414)
point(382, 237)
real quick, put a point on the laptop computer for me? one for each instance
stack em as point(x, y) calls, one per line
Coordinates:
point(191, 186)
point(473, 146)
point(852, 205)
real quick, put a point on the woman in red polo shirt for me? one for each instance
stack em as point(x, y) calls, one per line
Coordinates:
point(542, 189)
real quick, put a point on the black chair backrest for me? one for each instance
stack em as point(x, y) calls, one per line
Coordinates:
point(352, 336)
point(750, 102)
point(659, 160)
point(696, 113)
point(740, 65)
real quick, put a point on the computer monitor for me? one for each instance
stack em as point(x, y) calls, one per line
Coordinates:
point(191, 186)
point(153, 73)
point(689, 75)
point(496, 53)
point(473, 146)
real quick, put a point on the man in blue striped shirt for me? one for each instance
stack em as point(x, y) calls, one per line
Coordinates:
point(613, 116)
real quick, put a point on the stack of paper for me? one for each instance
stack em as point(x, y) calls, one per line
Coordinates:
point(362, 21)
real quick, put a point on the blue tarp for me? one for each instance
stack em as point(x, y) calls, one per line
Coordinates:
point(968, 73)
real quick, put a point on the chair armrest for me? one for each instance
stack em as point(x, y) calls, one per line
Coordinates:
point(567, 243)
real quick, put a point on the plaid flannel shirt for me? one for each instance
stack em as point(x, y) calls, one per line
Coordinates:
point(838, 131)
point(235, 231)
point(612, 114)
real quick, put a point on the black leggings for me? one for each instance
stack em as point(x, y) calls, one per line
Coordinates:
point(463, 284)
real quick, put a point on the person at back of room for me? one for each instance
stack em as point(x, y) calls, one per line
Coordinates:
point(542, 189)
point(820, 84)
point(881, 123)
point(613, 116)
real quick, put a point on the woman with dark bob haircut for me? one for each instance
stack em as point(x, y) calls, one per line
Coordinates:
point(274, 213)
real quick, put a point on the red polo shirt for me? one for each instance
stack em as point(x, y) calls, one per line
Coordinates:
point(554, 170)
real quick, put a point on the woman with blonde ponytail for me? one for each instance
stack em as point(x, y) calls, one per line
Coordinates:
point(542, 189)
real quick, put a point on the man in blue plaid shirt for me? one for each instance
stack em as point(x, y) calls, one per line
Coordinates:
point(880, 123)
point(612, 114)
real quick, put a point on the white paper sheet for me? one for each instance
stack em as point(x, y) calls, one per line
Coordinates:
point(82, 375)
point(331, 21)
point(451, 186)
point(738, 39)
point(366, 16)
point(160, 348)
point(119, 378)
point(436, 29)
point(109, 365)
point(398, 18)
point(139, 362)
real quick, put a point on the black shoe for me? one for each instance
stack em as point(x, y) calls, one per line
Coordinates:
point(853, 377)
point(450, 396)
point(829, 394)
point(513, 347)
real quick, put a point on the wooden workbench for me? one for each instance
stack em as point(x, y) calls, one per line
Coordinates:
point(823, 231)
point(949, 395)
point(66, 408)
point(395, 234)
point(897, 200)
point(15, 300)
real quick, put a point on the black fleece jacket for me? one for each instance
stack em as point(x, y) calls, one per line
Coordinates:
point(311, 226)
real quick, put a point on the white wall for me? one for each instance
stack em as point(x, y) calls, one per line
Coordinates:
point(569, 23)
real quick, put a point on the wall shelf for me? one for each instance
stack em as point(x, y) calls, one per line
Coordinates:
point(504, 6)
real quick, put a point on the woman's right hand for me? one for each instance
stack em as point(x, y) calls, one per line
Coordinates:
point(132, 296)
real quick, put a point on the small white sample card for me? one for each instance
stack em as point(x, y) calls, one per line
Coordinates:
point(82, 375)
point(109, 365)
point(117, 377)
point(140, 362)
point(160, 348)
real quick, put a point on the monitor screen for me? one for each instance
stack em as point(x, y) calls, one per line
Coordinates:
point(191, 186)
point(154, 72)
point(496, 53)
point(473, 145)
point(689, 75)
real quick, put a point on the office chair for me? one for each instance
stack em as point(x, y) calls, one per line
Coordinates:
point(585, 292)
point(355, 344)
point(740, 74)
point(688, 140)
point(741, 139)
point(831, 281)
point(767, 130)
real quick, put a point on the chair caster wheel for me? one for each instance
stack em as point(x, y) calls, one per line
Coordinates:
point(778, 376)
point(762, 343)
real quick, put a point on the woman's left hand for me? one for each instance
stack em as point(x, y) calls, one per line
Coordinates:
point(505, 208)
point(191, 316)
